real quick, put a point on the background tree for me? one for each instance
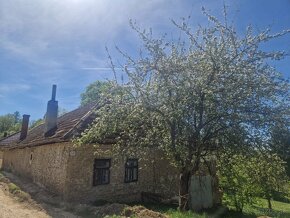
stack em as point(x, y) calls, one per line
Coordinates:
point(268, 171)
point(94, 91)
point(35, 123)
point(17, 117)
point(280, 143)
point(246, 176)
point(9, 124)
point(236, 182)
point(189, 97)
point(61, 111)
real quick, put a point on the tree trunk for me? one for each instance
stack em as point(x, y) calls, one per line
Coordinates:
point(184, 182)
point(269, 203)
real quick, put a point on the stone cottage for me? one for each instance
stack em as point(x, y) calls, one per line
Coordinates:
point(46, 155)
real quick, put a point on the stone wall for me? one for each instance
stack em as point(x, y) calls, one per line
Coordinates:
point(1, 158)
point(44, 165)
point(155, 175)
point(68, 171)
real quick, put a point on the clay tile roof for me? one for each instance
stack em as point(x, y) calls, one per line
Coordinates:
point(10, 139)
point(68, 125)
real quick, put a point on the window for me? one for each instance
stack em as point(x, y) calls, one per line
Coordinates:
point(101, 172)
point(31, 157)
point(131, 170)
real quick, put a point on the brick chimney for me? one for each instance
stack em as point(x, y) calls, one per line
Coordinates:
point(51, 114)
point(24, 127)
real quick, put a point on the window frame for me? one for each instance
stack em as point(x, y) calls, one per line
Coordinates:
point(101, 168)
point(131, 168)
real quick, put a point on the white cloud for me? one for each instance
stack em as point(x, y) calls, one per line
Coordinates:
point(99, 68)
point(33, 53)
point(39, 30)
point(9, 88)
point(86, 59)
point(63, 42)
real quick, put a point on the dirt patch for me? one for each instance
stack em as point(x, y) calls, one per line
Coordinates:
point(120, 210)
point(22, 198)
point(109, 209)
point(11, 208)
point(16, 201)
point(142, 212)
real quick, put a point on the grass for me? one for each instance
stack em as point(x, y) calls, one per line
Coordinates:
point(18, 193)
point(173, 212)
point(3, 178)
point(189, 214)
point(14, 189)
point(280, 210)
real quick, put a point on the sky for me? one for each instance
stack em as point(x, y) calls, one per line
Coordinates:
point(46, 42)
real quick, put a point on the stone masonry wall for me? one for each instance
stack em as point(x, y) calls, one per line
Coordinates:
point(155, 175)
point(44, 165)
point(68, 171)
point(1, 158)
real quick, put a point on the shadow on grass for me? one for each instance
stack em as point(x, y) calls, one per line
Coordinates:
point(272, 213)
point(233, 213)
point(218, 212)
point(159, 207)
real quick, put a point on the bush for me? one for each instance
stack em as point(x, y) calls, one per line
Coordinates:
point(244, 178)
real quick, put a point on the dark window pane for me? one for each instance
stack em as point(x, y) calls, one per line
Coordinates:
point(135, 174)
point(101, 172)
point(131, 170)
point(102, 163)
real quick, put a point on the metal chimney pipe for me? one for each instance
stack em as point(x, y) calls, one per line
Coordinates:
point(24, 127)
point(53, 92)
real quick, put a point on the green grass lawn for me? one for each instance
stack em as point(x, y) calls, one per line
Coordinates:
point(280, 210)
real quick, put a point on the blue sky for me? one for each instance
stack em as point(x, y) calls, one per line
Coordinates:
point(63, 42)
